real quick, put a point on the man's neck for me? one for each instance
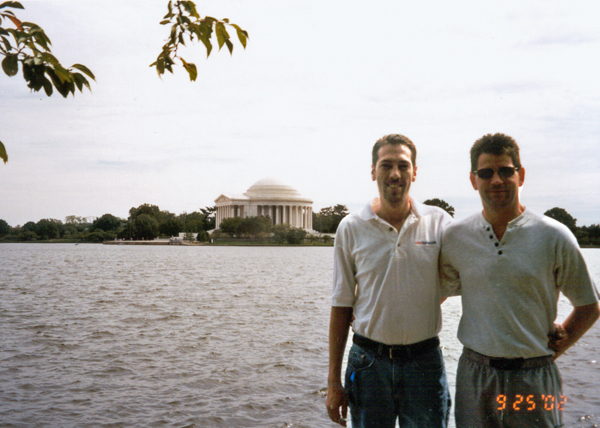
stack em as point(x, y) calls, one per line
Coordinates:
point(499, 218)
point(394, 214)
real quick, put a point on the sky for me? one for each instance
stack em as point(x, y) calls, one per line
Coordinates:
point(318, 84)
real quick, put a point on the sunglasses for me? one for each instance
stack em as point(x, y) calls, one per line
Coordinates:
point(503, 171)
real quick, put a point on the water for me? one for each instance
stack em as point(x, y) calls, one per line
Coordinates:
point(144, 336)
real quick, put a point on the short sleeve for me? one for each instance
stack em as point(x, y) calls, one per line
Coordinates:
point(344, 270)
point(572, 275)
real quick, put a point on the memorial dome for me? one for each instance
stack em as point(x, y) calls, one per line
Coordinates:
point(271, 188)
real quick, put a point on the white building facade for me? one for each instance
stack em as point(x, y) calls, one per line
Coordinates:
point(267, 197)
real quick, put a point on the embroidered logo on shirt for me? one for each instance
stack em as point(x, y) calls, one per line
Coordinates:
point(425, 242)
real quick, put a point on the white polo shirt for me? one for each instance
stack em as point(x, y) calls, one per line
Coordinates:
point(390, 278)
point(510, 288)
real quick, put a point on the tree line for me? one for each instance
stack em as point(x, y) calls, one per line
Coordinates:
point(145, 222)
point(148, 222)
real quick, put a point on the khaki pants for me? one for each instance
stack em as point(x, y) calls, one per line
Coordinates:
point(494, 393)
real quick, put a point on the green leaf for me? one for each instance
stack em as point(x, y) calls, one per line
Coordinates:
point(63, 74)
point(207, 44)
point(6, 43)
point(49, 58)
point(13, 4)
point(160, 66)
point(191, 69)
point(78, 82)
point(165, 22)
point(3, 154)
point(41, 39)
point(229, 46)
point(10, 65)
point(221, 34)
point(61, 87)
point(47, 86)
point(173, 34)
point(185, 20)
point(191, 8)
point(242, 35)
point(86, 70)
point(81, 81)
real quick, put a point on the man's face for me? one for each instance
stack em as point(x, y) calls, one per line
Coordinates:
point(498, 192)
point(394, 173)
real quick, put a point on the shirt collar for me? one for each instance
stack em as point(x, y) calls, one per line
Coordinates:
point(367, 213)
point(516, 222)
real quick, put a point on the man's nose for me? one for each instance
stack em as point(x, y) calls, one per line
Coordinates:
point(395, 172)
point(496, 178)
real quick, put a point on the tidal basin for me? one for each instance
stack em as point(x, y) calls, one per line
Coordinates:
point(178, 336)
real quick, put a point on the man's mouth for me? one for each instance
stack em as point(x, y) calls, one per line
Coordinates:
point(394, 185)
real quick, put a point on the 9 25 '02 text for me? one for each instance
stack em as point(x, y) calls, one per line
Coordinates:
point(528, 403)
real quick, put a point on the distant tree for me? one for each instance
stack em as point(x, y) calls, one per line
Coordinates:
point(170, 227)
point(202, 236)
point(561, 215)
point(280, 232)
point(48, 228)
point(29, 226)
point(230, 226)
point(593, 233)
point(99, 235)
point(151, 210)
point(442, 204)
point(583, 236)
point(328, 219)
point(209, 217)
point(70, 230)
point(252, 226)
point(4, 228)
point(192, 222)
point(73, 219)
point(296, 235)
point(27, 235)
point(145, 227)
point(107, 223)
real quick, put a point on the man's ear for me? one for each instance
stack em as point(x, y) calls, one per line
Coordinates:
point(521, 176)
point(373, 173)
point(473, 179)
point(414, 177)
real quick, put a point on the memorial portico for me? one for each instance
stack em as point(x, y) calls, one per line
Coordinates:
point(268, 198)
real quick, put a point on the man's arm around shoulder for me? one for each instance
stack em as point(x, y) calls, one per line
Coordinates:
point(577, 323)
point(337, 401)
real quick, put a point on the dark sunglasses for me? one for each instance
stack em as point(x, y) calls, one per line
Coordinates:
point(503, 171)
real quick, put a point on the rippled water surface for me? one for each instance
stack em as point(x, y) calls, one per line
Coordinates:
point(145, 336)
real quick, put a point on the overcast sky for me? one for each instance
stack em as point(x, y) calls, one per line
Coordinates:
point(319, 83)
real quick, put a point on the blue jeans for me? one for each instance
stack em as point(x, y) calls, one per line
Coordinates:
point(381, 390)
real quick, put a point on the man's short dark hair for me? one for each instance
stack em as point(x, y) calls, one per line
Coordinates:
point(394, 140)
point(497, 144)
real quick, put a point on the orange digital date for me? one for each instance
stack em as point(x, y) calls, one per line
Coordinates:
point(529, 403)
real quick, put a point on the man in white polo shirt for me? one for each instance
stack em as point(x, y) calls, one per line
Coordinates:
point(509, 264)
point(386, 286)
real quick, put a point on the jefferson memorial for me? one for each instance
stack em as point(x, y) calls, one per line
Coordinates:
point(267, 197)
